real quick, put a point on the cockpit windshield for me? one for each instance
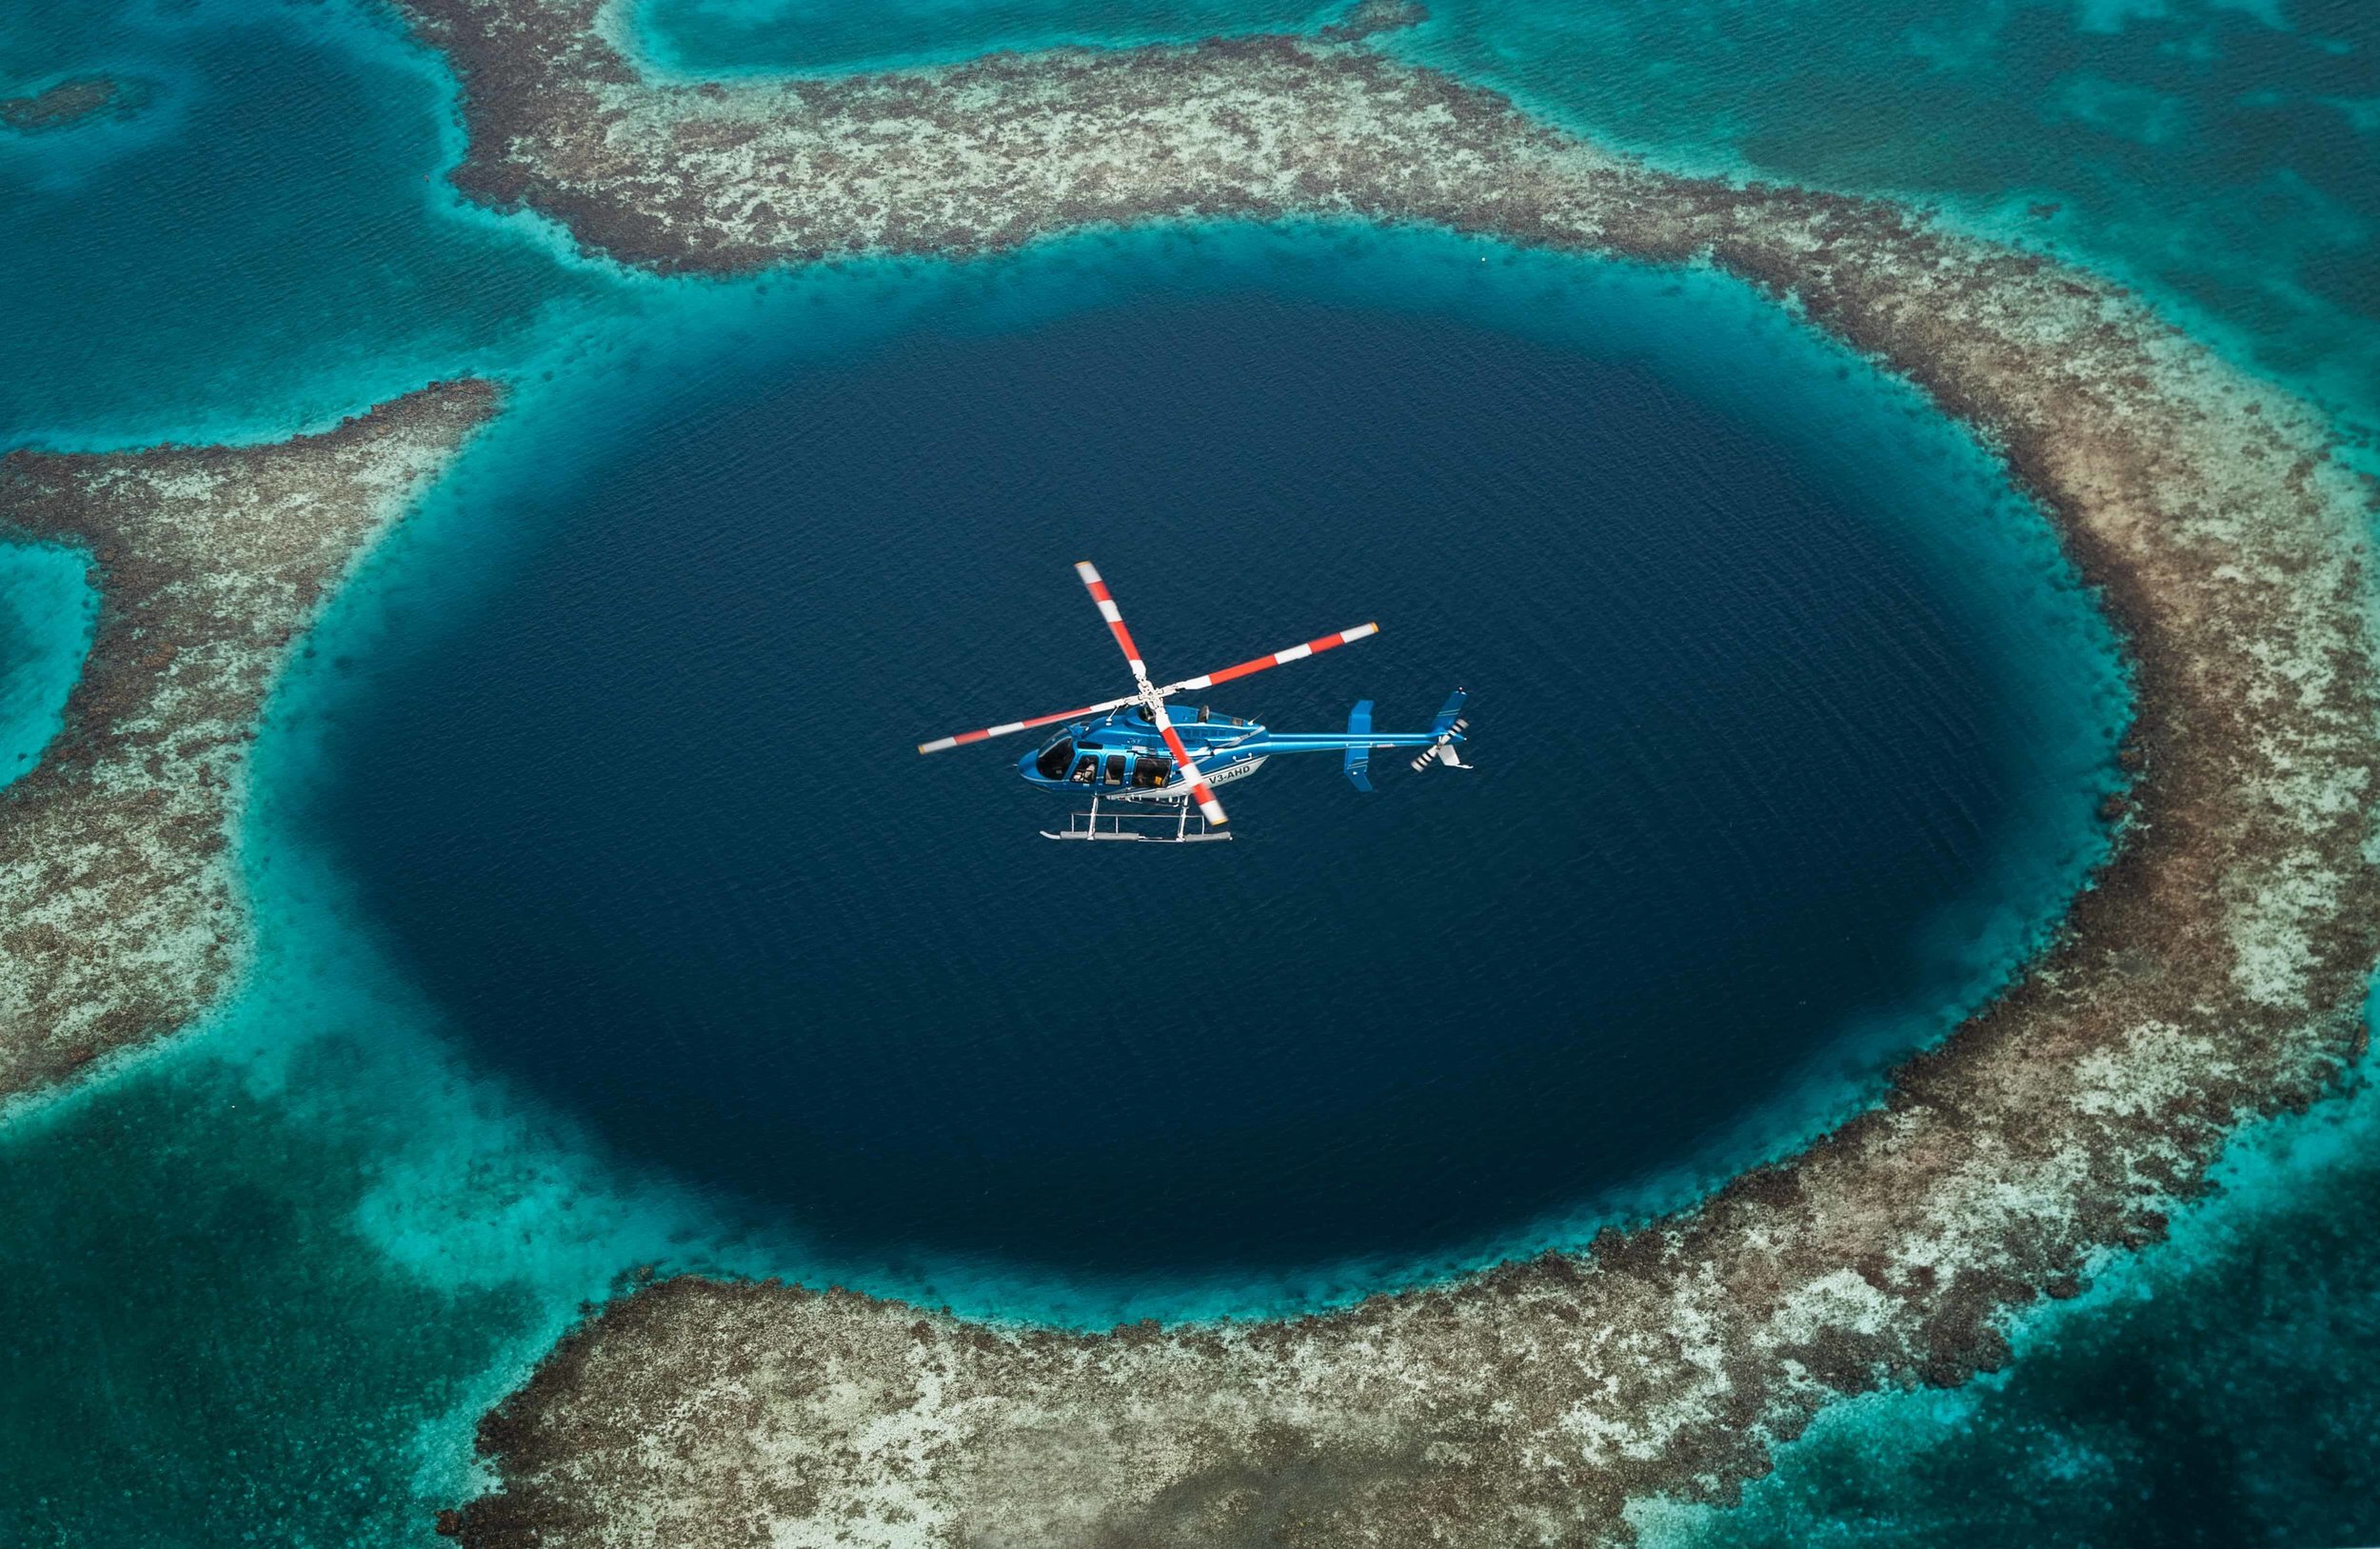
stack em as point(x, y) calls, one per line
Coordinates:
point(1054, 759)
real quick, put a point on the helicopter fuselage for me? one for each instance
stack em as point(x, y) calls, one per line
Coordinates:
point(1122, 756)
point(1132, 748)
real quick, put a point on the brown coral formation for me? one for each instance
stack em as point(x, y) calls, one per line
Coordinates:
point(2216, 970)
point(120, 909)
point(70, 102)
point(986, 156)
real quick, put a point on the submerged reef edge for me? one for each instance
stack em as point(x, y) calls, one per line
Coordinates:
point(121, 911)
point(2216, 970)
point(70, 102)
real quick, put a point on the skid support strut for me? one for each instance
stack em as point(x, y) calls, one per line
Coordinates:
point(1116, 824)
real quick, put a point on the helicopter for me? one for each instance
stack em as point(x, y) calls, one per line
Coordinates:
point(1130, 750)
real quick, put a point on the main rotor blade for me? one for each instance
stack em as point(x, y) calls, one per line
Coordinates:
point(1208, 807)
point(1090, 575)
point(940, 743)
point(1114, 618)
point(1294, 654)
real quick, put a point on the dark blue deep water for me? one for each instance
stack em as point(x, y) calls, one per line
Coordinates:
point(650, 829)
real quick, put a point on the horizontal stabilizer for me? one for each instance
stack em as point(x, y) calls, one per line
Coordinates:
point(1359, 759)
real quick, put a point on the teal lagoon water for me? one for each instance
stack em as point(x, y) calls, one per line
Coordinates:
point(265, 1279)
point(265, 245)
point(736, 37)
point(47, 610)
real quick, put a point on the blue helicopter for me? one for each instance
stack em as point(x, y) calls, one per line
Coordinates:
point(1134, 753)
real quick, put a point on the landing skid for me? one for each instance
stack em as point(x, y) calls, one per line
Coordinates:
point(1110, 826)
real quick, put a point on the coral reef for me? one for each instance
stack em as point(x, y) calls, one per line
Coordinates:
point(72, 102)
point(120, 910)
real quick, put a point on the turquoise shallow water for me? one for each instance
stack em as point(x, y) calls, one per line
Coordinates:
point(263, 1282)
point(712, 36)
point(48, 610)
point(265, 245)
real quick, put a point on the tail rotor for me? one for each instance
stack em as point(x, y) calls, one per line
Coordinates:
point(1449, 727)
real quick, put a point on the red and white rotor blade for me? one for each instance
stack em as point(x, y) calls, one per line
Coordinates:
point(1098, 589)
point(940, 743)
point(1294, 653)
point(1200, 790)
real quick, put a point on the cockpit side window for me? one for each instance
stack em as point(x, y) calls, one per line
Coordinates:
point(1054, 759)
